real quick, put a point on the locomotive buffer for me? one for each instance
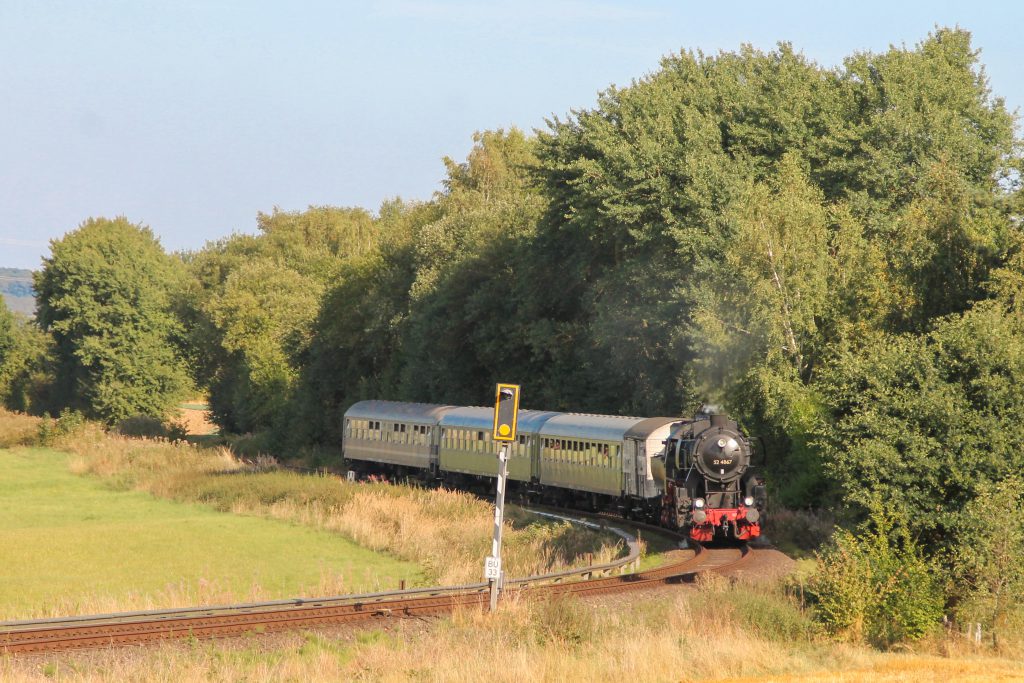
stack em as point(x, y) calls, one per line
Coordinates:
point(506, 414)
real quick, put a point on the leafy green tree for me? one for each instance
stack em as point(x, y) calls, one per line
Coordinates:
point(104, 295)
point(26, 372)
point(250, 304)
point(462, 327)
point(925, 421)
point(8, 344)
point(987, 570)
point(263, 318)
point(355, 352)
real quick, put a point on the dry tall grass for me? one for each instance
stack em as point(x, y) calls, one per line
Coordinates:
point(446, 532)
point(17, 429)
point(683, 636)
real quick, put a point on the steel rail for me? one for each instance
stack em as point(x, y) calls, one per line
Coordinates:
point(48, 635)
point(110, 632)
point(125, 627)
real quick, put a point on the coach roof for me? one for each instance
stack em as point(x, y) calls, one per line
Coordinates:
point(397, 411)
point(479, 417)
point(582, 426)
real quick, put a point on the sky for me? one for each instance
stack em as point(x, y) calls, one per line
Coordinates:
point(191, 116)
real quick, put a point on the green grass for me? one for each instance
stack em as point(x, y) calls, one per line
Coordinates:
point(70, 542)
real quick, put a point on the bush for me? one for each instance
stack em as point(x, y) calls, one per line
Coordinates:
point(141, 426)
point(69, 423)
point(875, 585)
point(796, 532)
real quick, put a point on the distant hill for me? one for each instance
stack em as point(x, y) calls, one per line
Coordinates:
point(16, 289)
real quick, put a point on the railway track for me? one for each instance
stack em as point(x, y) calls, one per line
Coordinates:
point(51, 635)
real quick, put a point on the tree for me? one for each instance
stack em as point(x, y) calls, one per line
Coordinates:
point(987, 569)
point(926, 421)
point(251, 301)
point(104, 295)
point(263, 317)
point(26, 372)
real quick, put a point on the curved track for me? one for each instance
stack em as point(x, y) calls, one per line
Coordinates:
point(111, 630)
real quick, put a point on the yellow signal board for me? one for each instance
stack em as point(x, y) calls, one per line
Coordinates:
point(506, 412)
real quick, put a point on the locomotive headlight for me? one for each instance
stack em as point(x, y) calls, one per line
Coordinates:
point(698, 503)
point(748, 501)
point(721, 443)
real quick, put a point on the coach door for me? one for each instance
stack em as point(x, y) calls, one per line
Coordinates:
point(629, 460)
point(640, 467)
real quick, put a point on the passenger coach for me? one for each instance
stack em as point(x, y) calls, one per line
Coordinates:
point(557, 457)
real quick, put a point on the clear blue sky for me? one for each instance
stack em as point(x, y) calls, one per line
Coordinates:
point(192, 115)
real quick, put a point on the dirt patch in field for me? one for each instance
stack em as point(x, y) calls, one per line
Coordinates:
point(195, 415)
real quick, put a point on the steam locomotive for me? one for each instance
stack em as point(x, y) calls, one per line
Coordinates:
point(690, 474)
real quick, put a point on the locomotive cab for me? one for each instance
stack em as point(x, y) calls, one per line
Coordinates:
point(711, 488)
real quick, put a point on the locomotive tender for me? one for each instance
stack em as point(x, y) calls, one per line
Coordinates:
point(692, 474)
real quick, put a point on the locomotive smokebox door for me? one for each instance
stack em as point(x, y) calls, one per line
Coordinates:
point(506, 412)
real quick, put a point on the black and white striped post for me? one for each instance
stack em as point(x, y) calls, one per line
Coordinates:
point(492, 567)
point(506, 415)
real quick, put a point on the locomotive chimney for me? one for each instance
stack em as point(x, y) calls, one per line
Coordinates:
point(717, 415)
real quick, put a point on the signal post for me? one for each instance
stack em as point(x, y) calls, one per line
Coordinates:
point(506, 416)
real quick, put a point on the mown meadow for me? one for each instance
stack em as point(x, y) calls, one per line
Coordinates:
point(72, 545)
point(153, 523)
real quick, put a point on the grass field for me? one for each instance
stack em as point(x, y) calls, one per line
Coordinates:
point(71, 544)
point(723, 632)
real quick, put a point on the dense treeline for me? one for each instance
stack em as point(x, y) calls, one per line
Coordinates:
point(833, 254)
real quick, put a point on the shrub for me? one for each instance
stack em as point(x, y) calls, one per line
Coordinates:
point(141, 426)
point(68, 424)
point(796, 532)
point(875, 585)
